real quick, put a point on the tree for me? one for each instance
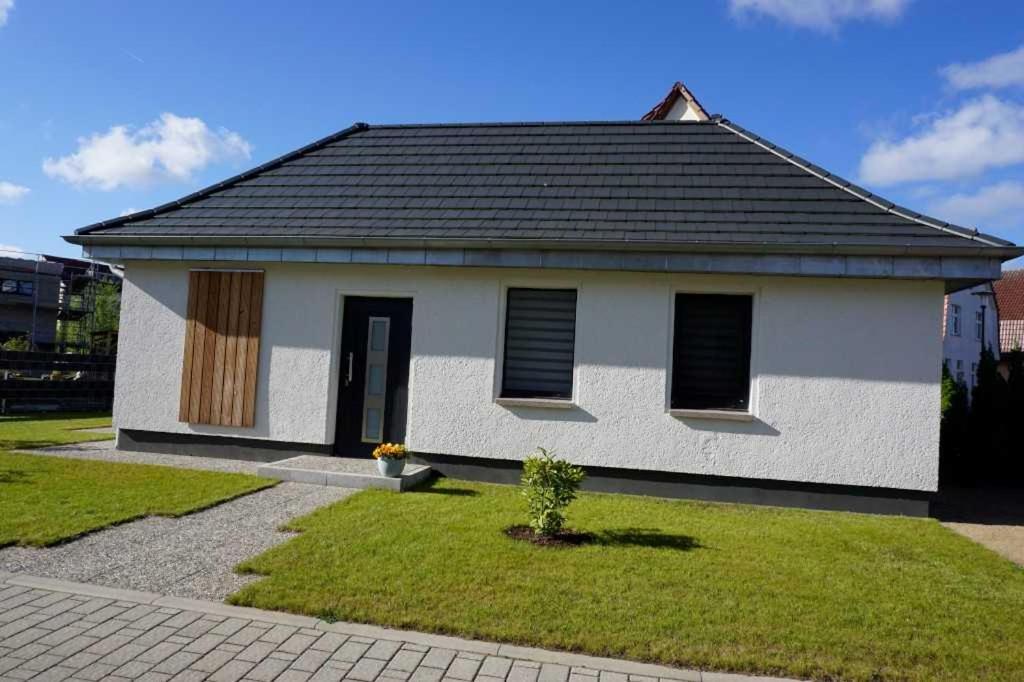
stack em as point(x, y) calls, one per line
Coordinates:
point(953, 433)
point(989, 418)
point(17, 343)
point(108, 307)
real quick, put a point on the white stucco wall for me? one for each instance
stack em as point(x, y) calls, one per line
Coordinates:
point(845, 372)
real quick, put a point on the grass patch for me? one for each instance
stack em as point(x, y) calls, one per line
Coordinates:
point(20, 432)
point(45, 500)
point(712, 586)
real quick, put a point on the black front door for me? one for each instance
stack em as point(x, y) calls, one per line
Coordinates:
point(373, 387)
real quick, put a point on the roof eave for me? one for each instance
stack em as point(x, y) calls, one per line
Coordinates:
point(974, 251)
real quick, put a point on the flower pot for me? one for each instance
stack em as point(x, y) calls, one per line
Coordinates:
point(392, 468)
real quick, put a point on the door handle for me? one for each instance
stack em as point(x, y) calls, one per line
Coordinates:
point(348, 376)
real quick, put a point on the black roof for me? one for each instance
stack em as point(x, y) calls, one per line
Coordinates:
point(647, 184)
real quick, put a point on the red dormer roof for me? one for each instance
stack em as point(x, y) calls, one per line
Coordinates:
point(677, 91)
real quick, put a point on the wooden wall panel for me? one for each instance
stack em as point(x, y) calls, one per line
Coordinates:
point(222, 340)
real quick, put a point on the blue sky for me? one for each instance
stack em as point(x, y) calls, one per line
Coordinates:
point(109, 106)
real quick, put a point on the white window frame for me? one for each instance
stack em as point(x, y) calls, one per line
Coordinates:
point(955, 322)
point(499, 353)
point(979, 324)
point(755, 313)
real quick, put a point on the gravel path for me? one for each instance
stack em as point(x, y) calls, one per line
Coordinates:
point(191, 556)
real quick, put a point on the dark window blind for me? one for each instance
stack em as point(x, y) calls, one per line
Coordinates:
point(540, 334)
point(711, 352)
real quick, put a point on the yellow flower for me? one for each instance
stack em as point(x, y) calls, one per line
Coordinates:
point(390, 450)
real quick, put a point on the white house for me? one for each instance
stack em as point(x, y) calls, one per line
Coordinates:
point(970, 324)
point(678, 305)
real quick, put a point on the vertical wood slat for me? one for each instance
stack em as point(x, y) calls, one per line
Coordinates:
point(253, 350)
point(230, 348)
point(223, 299)
point(190, 335)
point(221, 359)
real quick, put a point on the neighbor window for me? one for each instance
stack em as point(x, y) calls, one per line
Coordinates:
point(711, 352)
point(979, 324)
point(954, 319)
point(974, 374)
point(22, 287)
point(960, 371)
point(540, 337)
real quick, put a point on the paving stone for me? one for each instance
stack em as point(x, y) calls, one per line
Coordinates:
point(293, 676)
point(351, 651)
point(405, 661)
point(159, 634)
point(233, 648)
point(553, 672)
point(328, 674)
point(41, 662)
point(462, 668)
point(607, 676)
point(55, 674)
point(283, 656)
point(159, 652)
point(62, 606)
point(133, 669)
point(123, 655)
point(204, 644)
point(256, 652)
point(329, 641)
point(523, 673)
point(108, 644)
point(197, 628)
point(104, 629)
point(489, 678)
point(95, 671)
point(229, 627)
point(182, 619)
point(278, 634)
point(310, 660)
point(56, 637)
point(495, 666)
point(212, 661)
point(232, 672)
point(60, 621)
point(438, 657)
point(74, 645)
point(246, 635)
point(189, 676)
point(175, 663)
point(268, 669)
point(423, 674)
point(24, 637)
point(100, 615)
point(16, 613)
point(152, 677)
point(79, 660)
point(29, 651)
point(383, 649)
point(151, 620)
point(366, 669)
point(589, 672)
point(20, 674)
point(177, 639)
point(297, 643)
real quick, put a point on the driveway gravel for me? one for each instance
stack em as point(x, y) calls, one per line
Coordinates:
point(192, 556)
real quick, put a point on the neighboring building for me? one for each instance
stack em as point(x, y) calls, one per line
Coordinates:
point(1009, 293)
point(970, 323)
point(29, 300)
point(680, 306)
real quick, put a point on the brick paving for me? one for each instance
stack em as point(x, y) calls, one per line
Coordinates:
point(53, 630)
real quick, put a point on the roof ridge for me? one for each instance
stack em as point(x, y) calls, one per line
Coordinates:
point(356, 127)
point(857, 191)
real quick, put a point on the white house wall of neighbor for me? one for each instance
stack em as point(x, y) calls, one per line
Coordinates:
point(845, 382)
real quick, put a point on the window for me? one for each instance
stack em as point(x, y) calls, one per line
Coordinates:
point(711, 352)
point(960, 371)
point(540, 337)
point(979, 324)
point(954, 319)
point(22, 287)
point(974, 374)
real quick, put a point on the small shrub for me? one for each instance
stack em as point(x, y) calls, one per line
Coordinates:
point(549, 485)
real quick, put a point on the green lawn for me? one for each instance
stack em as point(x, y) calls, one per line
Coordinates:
point(727, 587)
point(45, 500)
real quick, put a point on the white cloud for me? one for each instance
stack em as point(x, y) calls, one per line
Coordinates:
point(10, 193)
point(1001, 204)
point(170, 148)
point(5, 9)
point(998, 71)
point(129, 211)
point(983, 133)
point(821, 15)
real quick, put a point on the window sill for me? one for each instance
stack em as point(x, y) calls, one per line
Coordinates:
point(550, 403)
point(724, 415)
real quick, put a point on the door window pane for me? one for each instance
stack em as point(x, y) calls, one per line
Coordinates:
point(372, 424)
point(376, 386)
point(378, 335)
